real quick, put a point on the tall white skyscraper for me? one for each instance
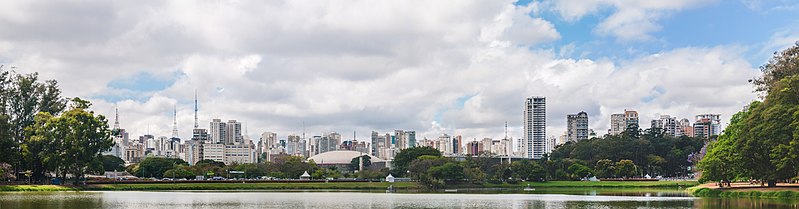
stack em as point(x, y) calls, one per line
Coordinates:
point(535, 124)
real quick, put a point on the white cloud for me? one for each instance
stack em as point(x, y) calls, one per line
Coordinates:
point(361, 65)
point(630, 20)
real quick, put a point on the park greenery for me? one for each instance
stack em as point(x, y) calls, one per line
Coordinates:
point(283, 167)
point(43, 134)
point(632, 154)
point(762, 141)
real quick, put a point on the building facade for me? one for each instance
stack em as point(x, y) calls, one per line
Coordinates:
point(535, 127)
point(577, 127)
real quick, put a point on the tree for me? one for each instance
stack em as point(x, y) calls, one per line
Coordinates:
point(626, 168)
point(782, 65)
point(355, 162)
point(723, 161)
point(528, 170)
point(406, 156)
point(604, 168)
point(84, 136)
point(450, 171)
point(180, 171)
point(580, 171)
point(156, 166)
point(113, 163)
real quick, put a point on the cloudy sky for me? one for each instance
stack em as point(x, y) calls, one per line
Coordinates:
point(456, 67)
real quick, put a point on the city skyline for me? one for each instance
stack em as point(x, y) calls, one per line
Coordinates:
point(435, 70)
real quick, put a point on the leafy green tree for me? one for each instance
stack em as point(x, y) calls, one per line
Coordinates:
point(294, 166)
point(783, 64)
point(156, 166)
point(723, 161)
point(404, 158)
point(626, 168)
point(84, 136)
point(579, 171)
point(528, 170)
point(180, 171)
point(113, 163)
point(604, 168)
point(451, 171)
point(324, 173)
point(355, 162)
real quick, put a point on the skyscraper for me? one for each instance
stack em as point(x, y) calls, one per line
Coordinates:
point(400, 140)
point(234, 133)
point(535, 127)
point(218, 131)
point(577, 127)
point(375, 143)
point(410, 136)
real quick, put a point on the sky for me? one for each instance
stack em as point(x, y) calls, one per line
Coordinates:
point(458, 67)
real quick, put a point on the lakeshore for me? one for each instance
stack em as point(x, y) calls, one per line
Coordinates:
point(745, 190)
point(324, 186)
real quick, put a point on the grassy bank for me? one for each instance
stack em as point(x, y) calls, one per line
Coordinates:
point(610, 184)
point(254, 186)
point(35, 188)
point(745, 193)
point(346, 186)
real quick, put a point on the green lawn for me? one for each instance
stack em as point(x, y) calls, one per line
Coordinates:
point(34, 188)
point(257, 186)
point(732, 193)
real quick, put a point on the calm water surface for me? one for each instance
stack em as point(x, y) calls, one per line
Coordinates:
point(238, 200)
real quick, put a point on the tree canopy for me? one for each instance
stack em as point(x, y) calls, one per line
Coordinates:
point(762, 141)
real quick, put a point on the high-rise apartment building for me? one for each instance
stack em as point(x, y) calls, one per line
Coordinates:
point(400, 140)
point(617, 124)
point(666, 123)
point(218, 131)
point(630, 118)
point(707, 125)
point(234, 133)
point(577, 127)
point(410, 136)
point(375, 143)
point(620, 122)
point(535, 127)
point(269, 140)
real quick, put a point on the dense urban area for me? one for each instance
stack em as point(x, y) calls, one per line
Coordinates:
point(48, 138)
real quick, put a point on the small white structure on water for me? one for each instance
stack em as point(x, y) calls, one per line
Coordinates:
point(390, 178)
point(305, 176)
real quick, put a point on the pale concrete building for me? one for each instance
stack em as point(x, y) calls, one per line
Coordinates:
point(535, 127)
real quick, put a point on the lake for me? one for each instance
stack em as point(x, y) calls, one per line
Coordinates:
point(240, 200)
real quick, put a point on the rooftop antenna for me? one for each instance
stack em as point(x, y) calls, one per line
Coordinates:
point(175, 123)
point(196, 124)
point(116, 117)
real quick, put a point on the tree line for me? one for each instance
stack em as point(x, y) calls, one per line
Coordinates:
point(634, 153)
point(283, 167)
point(762, 141)
point(43, 134)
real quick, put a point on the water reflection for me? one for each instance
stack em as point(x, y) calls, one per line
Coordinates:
point(230, 200)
